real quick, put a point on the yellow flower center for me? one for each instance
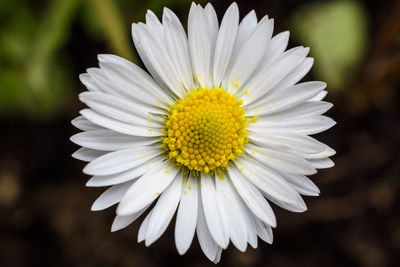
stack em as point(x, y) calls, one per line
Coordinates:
point(206, 129)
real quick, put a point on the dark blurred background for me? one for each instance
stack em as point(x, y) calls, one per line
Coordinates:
point(45, 207)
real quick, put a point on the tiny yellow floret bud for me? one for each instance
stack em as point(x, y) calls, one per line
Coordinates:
point(206, 129)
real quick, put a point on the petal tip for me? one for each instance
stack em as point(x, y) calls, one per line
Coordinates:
point(95, 207)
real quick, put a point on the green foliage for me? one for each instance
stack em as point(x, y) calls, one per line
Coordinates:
point(45, 74)
point(15, 40)
point(336, 31)
point(32, 79)
point(111, 22)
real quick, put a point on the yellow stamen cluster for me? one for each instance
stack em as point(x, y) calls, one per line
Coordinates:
point(206, 129)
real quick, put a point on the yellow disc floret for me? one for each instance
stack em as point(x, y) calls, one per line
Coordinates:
point(206, 129)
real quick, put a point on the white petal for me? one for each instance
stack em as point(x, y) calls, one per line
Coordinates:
point(287, 98)
point(218, 256)
point(186, 218)
point(298, 206)
point(273, 73)
point(276, 47)
point(120, 126)
point(327, 152)
point(267, 180)
point(177, 44)
point(291, 142)
point(296, 75)
point(146, 61)
point(280, 160)
point(107, 180)
point(131, 81)
point(207, 243)
point(323, 163)
point(87, 154)
point(307, 109)
point(260, 139)
point(121, 109)
point(163, 211)
point(225, 42)
point(212, 211)
point(121, 222)
point(304, 125)
point(147, 188)
point(251, 227)
point(302, 184)
point(232, 209)
point(156, 52)
point(252, 196)
point(83, 124)
point(107, 140)
point(264, 231)
point(154, 23)
point(201, 45)
point(250, 55)
point(122, 160)
point(99, 82)
point(294, 206)
point(143, 227)
point(212, 20)
point(213, 25)
point(246, 28)
point(111, 196)
point(320, 96)
point(88, 82)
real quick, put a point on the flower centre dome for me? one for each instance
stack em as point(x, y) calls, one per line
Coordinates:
point(206, 129)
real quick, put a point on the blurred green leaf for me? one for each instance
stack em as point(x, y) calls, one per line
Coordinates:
point(91, 22)
point(32, 72)
point(336, 32)
point(15, 39)
point(111, 20)
point(44, 66)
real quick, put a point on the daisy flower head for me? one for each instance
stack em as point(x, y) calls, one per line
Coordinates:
point(216, 130)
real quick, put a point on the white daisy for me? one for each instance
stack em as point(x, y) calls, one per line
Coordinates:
point(218, 128)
